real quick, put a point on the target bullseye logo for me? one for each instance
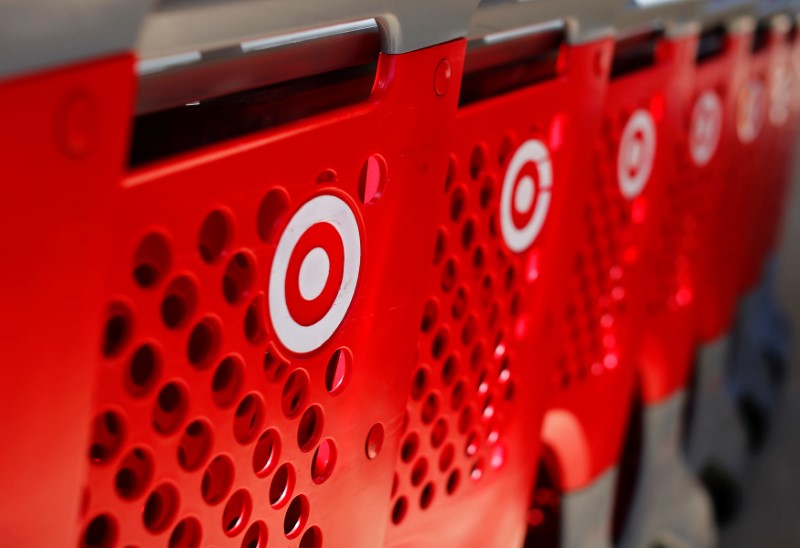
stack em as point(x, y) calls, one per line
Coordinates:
point(750, 111)
point(525, 196)
point(314, 273)
point(637, 152)
point(706, 127)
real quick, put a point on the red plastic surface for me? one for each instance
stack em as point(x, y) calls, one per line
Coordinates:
point(758, 179)
point(225, 416)
point(585, 424)
point(666, 354)
point(63, 141)
point(719, 250)
point(483, 369)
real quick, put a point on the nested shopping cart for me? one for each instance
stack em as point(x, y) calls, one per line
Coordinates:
point(250, 365)
point(596, 406)
point(732, 253)
point(530, 102)
point(66, 89)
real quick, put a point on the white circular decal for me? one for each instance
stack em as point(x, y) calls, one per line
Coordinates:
point(525, 196)
point(705, 128)
point(637, 152)
point(750, 111)
point(780, 96)
point(314, 273)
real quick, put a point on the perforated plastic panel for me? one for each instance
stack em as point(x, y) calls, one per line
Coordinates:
point(600, 327)
point(484, 366)
point(260, 324)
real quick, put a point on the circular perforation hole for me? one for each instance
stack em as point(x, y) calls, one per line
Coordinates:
point(295, 393)
point(179, 302)
point(217, 480)
point(296, 516)
point(143, 370)
point(439, 344)
point(310, 428)
point(101, 532)
point(458, 202)
point(374, 441)
point(238, 278)
point(451, 173)
point(486, 192)
point(134, 474)
point(440, 246)
point(214, 237)
point(430, 408)
point(275, 366)
point(281, 486)
point(267, 453)
point(426, 497)
point(324, 461)
point(187, 534)
point(108, 433)
point(452, 482)
point(449, 369)
point(271, 213)
point(479, 258)
point(117, 330)
point(468, 233)
point(195, 445)
point(337, 373)
point(312, 538)
point(160, 508)
point(449, 275)
point(327, 176)
point(477, 161)
point(505, 149)
point(429, 316)
point(248, 418)
point(419, 471)
point(236, 513)
point(419, 384)
point(256, 536)
point(152, 260)
point(477, 356)
point(227, 380)
point(399, 510)
point(446, 457)
point(459, 305)
point(255, 320)
point(409, 447)
point(170, 407)
point(372, 179)
point(204, 342)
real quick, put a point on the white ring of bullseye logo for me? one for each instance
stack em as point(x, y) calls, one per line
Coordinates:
point(325, 214)
point(706, 127)
point(750, 111)
point(522, 195)
point(637, 151)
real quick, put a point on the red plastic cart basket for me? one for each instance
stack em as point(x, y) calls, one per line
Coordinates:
point(262, 303)
point(529, 103)
point(586, 424)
